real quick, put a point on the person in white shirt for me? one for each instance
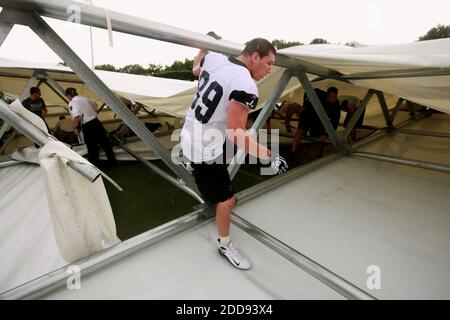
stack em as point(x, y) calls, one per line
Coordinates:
point(84, 118)
point(64, 131)
point(226, 92)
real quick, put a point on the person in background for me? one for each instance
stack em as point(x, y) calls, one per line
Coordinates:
point(310, 122)
point(84, 118)
point(36, 104)
point(64, 131)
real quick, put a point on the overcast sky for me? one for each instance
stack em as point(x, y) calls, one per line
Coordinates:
point(365, 21)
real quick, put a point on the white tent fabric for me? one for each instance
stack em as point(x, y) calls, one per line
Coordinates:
point(30, 116)
point(27, 242)
point(174, 97)
point(432, 91)
point(81, 214)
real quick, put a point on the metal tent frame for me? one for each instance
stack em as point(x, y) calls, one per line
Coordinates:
point(29, 13)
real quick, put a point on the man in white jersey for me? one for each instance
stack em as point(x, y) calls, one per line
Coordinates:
point(84, 118)
point(226, 92)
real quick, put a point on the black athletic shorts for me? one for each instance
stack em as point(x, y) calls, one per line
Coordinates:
point(308, 121)
point(213, 181)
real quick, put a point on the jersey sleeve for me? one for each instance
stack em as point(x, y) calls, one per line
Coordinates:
point(74, 110)
point(244, 90)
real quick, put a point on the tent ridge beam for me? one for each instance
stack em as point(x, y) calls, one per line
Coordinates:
point(404, 161)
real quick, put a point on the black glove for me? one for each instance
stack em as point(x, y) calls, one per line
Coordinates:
point(279, 165)
point(214, 35)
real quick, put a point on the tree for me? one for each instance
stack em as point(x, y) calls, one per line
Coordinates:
point(187, 64)
point(319, 41)
point(438, 32)
point(106, 67)
point(281, 44)
point(133, 69)
point(178, 74)
point(154, 69)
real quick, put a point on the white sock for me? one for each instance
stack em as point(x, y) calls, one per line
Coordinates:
point(225, 241)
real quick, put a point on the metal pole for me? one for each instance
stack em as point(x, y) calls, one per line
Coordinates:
point(261, 120)
point(396, 108)
point(385, 109)
point(319, 108)
point(95, 16)
point(58, 279)
point(402, 73)
point(4, 128)
point(51, 38)
point(5, 29)
point(160, 172)
point(357, 114)
point(26, 90)
point(9, 163)
point(324, 275)
point(32, 132)
point(54, 86)
point(408, 162)
point(426, 133)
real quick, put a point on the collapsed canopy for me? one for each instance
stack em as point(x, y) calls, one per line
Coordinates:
point(423, 66)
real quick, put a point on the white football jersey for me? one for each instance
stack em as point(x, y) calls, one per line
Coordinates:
point(221, 80)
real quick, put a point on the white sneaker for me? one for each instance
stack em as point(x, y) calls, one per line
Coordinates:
point(234, 256)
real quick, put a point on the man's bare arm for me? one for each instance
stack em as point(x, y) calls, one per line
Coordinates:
point(237, 132)
point(75, 124)
point(196, 69)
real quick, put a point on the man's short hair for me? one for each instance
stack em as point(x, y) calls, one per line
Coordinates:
point(34, 90)
point(260, 45)
point(62, 117)
point(332, 90)
point(71, 92)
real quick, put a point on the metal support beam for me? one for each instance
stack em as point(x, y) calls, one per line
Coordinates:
point(426, 133)
point(52, 39)
point(56, 88)
point(408, 162)
point(396, 109)
point(32, 132)
point(351, 124)
point(4, 128)
point(261, 120)
point(384, 108)
point(5, 29)
point(324, 275)
point(160, 172)
point(57, 279)
point(9, 163)
point(306, 84)
point(30, 83)
point(395, 74)
point(95, 17)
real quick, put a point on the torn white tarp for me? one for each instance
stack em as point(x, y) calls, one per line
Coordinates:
point(81, 214)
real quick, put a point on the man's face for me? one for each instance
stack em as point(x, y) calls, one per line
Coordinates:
point(331, 97)
point(262, 66)
point(36, 95)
